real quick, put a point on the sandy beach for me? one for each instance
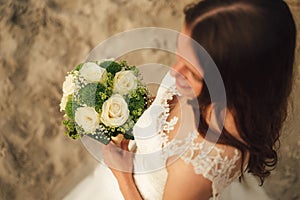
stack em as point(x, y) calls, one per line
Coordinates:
point(40, 41)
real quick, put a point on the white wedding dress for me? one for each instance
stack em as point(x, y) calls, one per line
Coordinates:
point(150, 176)
point(217, 165)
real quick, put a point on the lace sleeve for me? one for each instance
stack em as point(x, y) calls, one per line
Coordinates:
point(220, 165)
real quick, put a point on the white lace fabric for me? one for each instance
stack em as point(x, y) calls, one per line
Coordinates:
point(218, 163)
point(210, 160)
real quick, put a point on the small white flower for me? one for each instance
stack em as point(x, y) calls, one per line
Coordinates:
point(87, 118)
point(114, 111)
point(63, 103)
point(68, 85)
point(91, 72)
point(124, 81)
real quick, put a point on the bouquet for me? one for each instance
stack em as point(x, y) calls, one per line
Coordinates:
point(102, 99)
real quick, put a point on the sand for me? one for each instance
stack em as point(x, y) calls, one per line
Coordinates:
point(39, 42)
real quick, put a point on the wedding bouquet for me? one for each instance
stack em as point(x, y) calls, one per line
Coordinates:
point(102, 99)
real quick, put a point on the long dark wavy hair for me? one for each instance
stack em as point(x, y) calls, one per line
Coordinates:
point(252, 43)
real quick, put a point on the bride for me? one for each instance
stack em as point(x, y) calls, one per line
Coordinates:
point(252, 42)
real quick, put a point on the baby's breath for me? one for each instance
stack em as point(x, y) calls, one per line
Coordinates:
point(87, 94)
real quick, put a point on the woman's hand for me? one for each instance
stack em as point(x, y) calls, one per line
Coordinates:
point(120, 160)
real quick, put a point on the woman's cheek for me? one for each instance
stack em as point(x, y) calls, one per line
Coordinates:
point(197, 87)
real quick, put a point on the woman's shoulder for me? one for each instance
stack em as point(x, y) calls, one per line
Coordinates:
point(203, 154)
point(216, 165)
point(183, 183)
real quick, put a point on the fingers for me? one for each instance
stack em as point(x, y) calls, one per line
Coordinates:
point(118, 158)
point(124, 144)
point(117, 139)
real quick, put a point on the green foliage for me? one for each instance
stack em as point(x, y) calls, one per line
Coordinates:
point(137, 102)
point(126, 129)
point(71, 131)
point(102, 94)
point(87, 94)
point(105, 64)
point(113, 68)
point(112, 131)
point(128, 136)
point(129, 67)
point(109, 81)
point(95, 94)
point(78, 67)
point(71, 107)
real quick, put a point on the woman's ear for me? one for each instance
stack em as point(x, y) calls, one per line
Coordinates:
point(213, 118)
point(207, 114)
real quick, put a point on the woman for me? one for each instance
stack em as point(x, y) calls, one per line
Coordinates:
point(252, 43)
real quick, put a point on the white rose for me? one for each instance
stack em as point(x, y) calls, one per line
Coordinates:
point(124, 81)
point(63, 103)
point(91, 71)
point(114, 111)
point(69, 85)
point(87, 118)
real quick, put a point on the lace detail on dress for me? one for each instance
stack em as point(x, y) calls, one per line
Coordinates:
point(167, 126)
point(151, 185)
point(214, 165)
point(207, 160)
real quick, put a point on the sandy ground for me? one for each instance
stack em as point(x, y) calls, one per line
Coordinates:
point(39, 42)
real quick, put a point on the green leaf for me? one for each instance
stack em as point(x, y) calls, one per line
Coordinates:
point(78, 67)
point(94, 95)
point(105, 64)
point(71, 131)
point(113, 68)
point(128, 136)
point(71, 107)
point(87, 94)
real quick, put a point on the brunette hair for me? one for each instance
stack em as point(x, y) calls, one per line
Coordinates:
point(252, 43)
